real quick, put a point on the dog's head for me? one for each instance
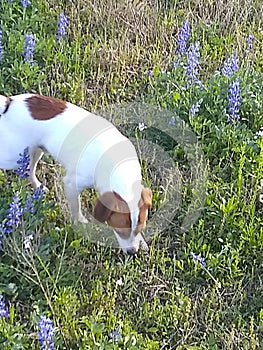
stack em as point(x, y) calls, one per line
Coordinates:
point(127, 225)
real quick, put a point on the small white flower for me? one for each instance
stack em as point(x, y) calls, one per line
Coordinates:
point(119, 282)
point(27, 241)
point(259, 134)
point(142, 126)
point(261, 198)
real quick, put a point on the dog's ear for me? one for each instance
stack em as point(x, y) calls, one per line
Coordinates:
point(104, 206)
point(147, 197)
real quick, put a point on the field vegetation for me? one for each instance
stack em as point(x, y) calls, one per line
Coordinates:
point(183, 80)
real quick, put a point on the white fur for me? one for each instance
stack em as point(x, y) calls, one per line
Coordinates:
point(94, 153)
point(133, 242)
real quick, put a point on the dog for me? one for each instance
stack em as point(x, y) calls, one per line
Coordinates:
point(92, 151)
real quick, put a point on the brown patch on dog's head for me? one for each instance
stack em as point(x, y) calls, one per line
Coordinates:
point(44, 107)
point(114, 210)
point(145, 204)
point(4, 103)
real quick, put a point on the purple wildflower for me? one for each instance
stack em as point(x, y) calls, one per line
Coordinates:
point(249, 41)
point(172, 122)
point(46, 333)
point(38, 193)
point(62, 23)
point(36, 196)
point(193, 55)
point(3, 311)
point(230, 65)
point(25, 3)
point(184, 35)
point(195, 108)
point(198, 258)
point(1, 45)
point(234, 101)
point(29, 48)
point(23, 162)
point(174, 64)
point(115, 335)
point(14, 214)
point(149, 73)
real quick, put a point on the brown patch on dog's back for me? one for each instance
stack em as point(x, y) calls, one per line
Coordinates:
point(45, 107)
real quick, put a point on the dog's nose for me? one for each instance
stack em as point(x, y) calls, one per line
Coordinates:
point(131, 251)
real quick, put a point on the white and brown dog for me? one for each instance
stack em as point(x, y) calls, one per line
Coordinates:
point(93, 152)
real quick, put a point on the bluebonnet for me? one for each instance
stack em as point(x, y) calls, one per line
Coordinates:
point(249, 41)
point(198, 258)
point(29, 48)
point(23, 162)
point(38, 193)
point(195, 108)
point(14, 214)
point(115, 335)
point(230, 66)
point(62, 23)
point(46, 333)
point(15, 211)
point(174, 64)
point(172, 122)
point(25, 3)
point(36, 196)
point(193, 55)
point(184, 35)
point(1, 45)
point(3, 311)
point(149, 73)
point(234, 101)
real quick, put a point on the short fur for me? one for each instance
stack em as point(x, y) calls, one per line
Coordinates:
point(93, 152)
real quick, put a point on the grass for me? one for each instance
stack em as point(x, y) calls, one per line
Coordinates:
point(206, 175)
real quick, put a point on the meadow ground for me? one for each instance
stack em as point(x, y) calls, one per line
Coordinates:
point(182, 79)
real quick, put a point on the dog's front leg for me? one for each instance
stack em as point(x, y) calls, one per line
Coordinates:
point(73, 198)
point(35, 156)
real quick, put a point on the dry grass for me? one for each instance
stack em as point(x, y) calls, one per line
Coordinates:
point(117, 42)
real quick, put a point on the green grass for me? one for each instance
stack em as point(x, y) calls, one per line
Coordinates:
point(207, 171)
